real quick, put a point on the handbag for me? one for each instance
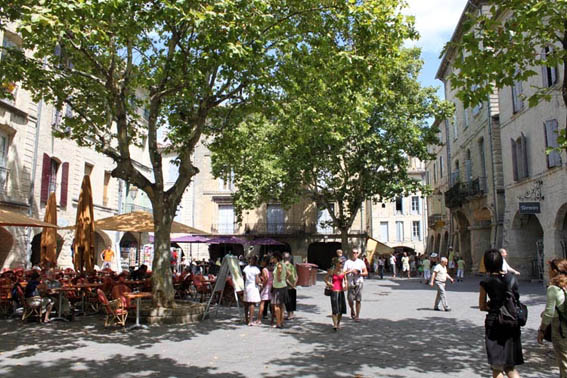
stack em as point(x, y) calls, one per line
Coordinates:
point(547, 333)
point(327, 292)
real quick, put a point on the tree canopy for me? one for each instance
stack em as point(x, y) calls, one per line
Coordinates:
point(345, 134)
point(128, 67)
point(511, 42)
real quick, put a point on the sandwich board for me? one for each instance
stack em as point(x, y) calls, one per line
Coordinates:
point(230, 265)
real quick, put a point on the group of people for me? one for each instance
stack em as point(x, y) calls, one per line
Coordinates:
point(402, 264)
point(271, 285)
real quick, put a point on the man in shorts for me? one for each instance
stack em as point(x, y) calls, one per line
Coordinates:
point(356, 271)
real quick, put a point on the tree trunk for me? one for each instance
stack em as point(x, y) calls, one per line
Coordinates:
point(162, 280)
point(344, 241)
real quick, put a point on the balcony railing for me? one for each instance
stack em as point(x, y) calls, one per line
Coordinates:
point(226, 228)
point(434, 218)
point(276, 228)
point(456, 196)
point(477, 186)
point(129, 207)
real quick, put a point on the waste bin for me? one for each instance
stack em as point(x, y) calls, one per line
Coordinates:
point(303, 274)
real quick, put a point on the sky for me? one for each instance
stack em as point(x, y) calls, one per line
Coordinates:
point(435, 21)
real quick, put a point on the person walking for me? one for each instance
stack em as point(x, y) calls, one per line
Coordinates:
point(503, 344)
point(337, 282)
point(556, 303)
point(279, 289)
point(341, 256)
point(356, 271)
point(439, 277)
point(406, 264)
point(460, 269)
point(381, 264)
point(393, 265)
point(267, 279)
point(291, 280)
point(426, 264)
point(251, 289)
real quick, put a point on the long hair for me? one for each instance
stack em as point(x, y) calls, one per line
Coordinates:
point(493, 261)
point(560, 267)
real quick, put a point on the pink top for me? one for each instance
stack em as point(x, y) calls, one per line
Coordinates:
point(266, 294)
point(338, 282)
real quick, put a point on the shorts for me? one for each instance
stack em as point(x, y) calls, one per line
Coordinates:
point(355, 292)
point(405, 268)
point(279, 296)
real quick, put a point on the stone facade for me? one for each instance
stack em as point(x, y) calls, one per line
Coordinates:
point(35, 163)
point(401, 223)
point(522, 204)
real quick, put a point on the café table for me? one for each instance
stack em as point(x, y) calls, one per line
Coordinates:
point(138, 296)
point(60, 291)
point(82, 287)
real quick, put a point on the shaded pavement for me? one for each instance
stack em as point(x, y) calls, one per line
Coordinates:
point(399, 336)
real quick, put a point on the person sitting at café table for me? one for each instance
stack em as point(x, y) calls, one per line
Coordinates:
point(33, 297)
point(51, 283)
point(140, 273)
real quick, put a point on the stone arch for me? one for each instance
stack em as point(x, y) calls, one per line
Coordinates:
point(446, 242)
point(437, 248)
point(322, 253)
point(525, 250)
point(561, 232)
point(463, 245)
point(129, 246)
point(6, 244)
point(101, 241)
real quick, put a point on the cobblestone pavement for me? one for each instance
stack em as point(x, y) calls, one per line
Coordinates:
point(399, 335)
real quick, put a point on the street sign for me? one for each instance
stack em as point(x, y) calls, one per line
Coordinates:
point(530, 208)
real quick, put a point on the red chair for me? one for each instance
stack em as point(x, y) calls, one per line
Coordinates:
point(115, 311)
point(5, 295)
point(203, 288)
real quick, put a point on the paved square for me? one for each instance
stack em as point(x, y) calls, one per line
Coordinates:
point(399, 336)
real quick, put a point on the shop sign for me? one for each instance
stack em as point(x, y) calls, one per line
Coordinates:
point(530, 208)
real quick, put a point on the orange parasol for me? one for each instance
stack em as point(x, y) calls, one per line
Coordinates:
point(10, 218)
point(49, 235)
point(84, 229)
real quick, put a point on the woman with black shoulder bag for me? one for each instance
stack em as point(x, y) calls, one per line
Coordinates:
point(554, 317)
point(337, 283)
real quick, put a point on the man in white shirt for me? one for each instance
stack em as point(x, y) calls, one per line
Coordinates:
point(393, 265)
point(505, 267)
point(355, 269)
point(440, 276)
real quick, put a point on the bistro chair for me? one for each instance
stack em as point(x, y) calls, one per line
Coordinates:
point(5, 296)
point(114, 310)
point(118, 292)
point(30, 308)
point(202, 287)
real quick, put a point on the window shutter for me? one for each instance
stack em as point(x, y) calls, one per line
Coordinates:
point(514, 159)
point(64, 184)
point(554, 157)
point(553, 74)
point(546, 82)
point(45, 175)
point(525, 155)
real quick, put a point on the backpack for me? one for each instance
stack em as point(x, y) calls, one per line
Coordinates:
point(512, 313)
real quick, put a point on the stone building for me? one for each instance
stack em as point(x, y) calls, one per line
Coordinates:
point(401, 223)
point(505, 188)
point(207, 205)
point(471, 160)
point(33, 164)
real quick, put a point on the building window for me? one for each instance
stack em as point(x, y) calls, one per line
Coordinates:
point(106, 190)
point(399, 205)
point(10, 41)
point(517, 93)
point(324, 221)
point(276, 219)
point(226, 183)
point(520, 158)
point(226, 219)
point(415, 204)
point(416, 230)
point(549, 73)
point(434, 173)
point(400, 231)
point(455, 127)
point(88, 169)
point(50, 169)
point(466, 117)
point(384, 232)
point(553, 156)
point(441, 166)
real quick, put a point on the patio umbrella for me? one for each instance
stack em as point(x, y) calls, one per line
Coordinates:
point(265, 241)
point(227, 240)
point(48, 246)
point(84, 229)
point(10, 218)
point(140, 221)
point(190, 239)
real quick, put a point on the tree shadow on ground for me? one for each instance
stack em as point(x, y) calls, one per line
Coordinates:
point(118, 366)
point(431, 345)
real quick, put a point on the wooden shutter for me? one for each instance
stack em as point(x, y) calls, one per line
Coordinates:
point(514, 159)
point(551, 130)
point(45, 176)
point(64, 184)
point(525, 155)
